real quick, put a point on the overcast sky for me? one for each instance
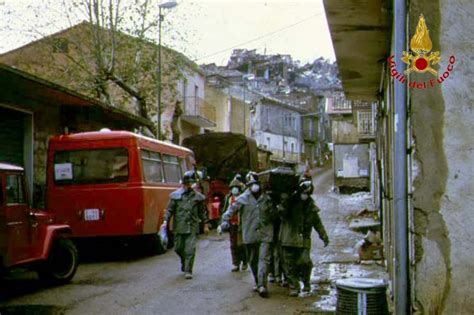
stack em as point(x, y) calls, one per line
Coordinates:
point(212, 28)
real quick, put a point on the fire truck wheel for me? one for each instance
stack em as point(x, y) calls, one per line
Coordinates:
point(61, 264)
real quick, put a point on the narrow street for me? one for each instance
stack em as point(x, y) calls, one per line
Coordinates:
point(154, 285)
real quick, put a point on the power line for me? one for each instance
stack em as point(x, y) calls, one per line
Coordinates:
point(259, 37)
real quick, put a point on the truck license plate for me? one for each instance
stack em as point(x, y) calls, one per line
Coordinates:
point(91, 214)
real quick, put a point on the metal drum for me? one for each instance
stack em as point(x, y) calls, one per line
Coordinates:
point(361, 296)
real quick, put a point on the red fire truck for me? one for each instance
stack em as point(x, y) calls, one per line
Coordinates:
point(28, 237)
point(114, 184)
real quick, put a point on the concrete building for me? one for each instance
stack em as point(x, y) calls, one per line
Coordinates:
point(232, 102)
point(232, 114)
point(276, 127)
point(424, 143)
point(193, 114)
point(352, 128)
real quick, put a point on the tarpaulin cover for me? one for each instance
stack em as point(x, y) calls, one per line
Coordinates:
point(223, 154)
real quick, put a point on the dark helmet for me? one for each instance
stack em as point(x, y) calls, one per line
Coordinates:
point(189, 177)
point(237, 181)
point(305, 186)
point(238, 177)
point(251, 178)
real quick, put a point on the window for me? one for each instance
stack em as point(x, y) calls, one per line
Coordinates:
point(196, 93)
point(268, 142)
point(15, 190)
point(364, 125)
point(91, 166)
point(152, 167)
point(184, 166)
point(292, 148)
point(172, 168)
point(185, 86)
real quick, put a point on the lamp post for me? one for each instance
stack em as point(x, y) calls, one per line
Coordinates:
point(164, 5)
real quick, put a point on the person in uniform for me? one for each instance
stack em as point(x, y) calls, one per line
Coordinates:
point(299, 216)
point(237, 248)
point(257, 214)
point(188, 209)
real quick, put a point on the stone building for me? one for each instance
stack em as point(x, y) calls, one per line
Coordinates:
point(389, 52)
point(69, 58)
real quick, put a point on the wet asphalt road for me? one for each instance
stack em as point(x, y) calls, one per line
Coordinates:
point(135, 284)
point(151, 285)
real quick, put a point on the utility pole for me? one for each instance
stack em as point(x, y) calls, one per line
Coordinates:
point(165, 5)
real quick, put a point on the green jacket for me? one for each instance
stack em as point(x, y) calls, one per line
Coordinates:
point(188, 209)
point(256, 217)
point(298, 219)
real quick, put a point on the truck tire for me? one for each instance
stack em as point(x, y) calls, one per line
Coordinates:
point(61, 264)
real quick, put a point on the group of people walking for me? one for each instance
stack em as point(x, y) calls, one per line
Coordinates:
point(263, 233)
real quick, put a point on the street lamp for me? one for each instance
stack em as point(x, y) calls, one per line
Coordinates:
point(164, 5)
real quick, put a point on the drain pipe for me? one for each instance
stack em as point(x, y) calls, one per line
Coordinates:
point(400, 166)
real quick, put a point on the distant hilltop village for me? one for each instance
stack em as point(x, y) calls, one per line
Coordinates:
point(275, 75)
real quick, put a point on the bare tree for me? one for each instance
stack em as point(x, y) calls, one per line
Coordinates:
point(111, 55)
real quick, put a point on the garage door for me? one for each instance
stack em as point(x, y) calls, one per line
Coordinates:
point(11, 136)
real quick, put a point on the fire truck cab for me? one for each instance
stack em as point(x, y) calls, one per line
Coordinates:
point(28, 237)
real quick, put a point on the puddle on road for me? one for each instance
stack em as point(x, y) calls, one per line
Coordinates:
point(32, 310)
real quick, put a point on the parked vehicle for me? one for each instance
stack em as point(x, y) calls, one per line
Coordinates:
point(114, 184)
point(28, 238)
point(222, 155)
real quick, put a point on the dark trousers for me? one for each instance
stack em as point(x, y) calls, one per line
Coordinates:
point(259, 256)
point(237, 249)
point(275, 265)
point(297, 265)
point(185, 247)
point(306, 266)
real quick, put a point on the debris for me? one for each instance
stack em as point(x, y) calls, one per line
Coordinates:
point(371, 247)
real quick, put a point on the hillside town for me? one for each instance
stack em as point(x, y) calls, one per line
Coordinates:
point(115, 149)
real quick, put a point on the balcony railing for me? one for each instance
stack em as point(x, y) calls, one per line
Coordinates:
point(198, 112)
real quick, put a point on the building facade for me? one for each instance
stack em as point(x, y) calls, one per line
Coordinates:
point(277, 128)
point(424, 144)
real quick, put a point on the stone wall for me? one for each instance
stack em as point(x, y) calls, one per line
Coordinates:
point(443, 119)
